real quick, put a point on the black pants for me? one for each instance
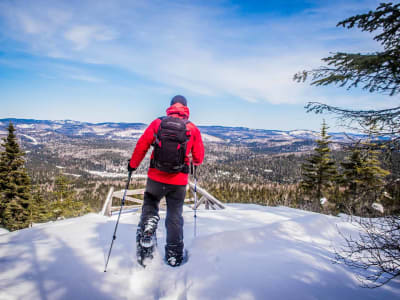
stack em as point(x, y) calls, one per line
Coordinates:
point(175, 196)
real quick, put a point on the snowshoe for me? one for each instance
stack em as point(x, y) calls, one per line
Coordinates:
point(146, 242)
point(145, 254)
point(175, 256)
point(149, 230)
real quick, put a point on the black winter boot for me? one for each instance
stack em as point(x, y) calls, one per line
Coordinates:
point(144, 254)
point(148, 230)
point(174, 254)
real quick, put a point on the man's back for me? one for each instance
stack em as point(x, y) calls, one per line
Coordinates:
point(194, 146)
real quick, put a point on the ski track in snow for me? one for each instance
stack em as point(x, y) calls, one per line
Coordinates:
point(242, 252)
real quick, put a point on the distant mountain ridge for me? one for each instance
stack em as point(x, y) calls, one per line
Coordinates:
point(33, 129)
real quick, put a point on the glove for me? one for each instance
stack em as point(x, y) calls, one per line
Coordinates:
point(130, 169)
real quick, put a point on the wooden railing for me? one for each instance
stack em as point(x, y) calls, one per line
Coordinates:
point(203, 198)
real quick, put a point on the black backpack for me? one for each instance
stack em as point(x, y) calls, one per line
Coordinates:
point(170, 146)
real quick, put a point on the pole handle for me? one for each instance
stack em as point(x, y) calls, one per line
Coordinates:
point(129, 179)
point(193, 170)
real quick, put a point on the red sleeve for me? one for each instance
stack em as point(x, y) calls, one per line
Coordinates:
point(144, 143)
point(197, 148)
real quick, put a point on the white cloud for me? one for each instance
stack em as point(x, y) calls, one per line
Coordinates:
point(87, 78)
point(82, 35)
point(203, 48)
point(29, 24)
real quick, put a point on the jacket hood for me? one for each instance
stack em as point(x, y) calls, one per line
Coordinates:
point(178, 109)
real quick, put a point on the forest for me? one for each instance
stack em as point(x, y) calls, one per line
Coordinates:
point(60, 182)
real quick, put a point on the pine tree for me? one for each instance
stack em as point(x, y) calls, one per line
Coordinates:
point(15, 186)
point(319, 171)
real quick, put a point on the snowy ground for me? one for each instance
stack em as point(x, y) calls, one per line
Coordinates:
point(243, 252)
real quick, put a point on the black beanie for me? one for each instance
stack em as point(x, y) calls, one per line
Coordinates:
point(179, 99)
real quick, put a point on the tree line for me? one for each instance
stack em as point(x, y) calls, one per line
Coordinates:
point(21, 202)
point(356, 185)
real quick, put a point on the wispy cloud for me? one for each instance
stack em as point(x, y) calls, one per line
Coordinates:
point(208, 49)
point(83, 35)
point(87, 78)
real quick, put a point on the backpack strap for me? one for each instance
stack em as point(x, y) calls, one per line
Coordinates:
point(155, 134)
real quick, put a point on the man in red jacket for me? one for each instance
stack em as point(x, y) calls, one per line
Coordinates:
point(165, 182)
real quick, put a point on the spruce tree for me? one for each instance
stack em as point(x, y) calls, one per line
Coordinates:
point(66, 204)
point(374, 71)
point(15, 185)
point(351, 167)
point(319, 171)
point(39, 208)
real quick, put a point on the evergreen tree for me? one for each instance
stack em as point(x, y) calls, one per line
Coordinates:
point(66, 204)
point(373, 71)
point(352, 167)
point(372, 179)
point(363, 177)
point(15, 186)
point(39, 208)
point(319, 171)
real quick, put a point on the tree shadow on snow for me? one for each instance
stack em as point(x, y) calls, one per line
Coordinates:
point(276, 261)
point(36, 265)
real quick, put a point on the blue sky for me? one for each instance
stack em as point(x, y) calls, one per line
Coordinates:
point(123, 60)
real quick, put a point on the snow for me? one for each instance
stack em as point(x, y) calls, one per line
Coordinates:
point(303, 132)
point(25, 126)
point(242, 252)
point(3, 231)
point(106, 174)
point(378, 207)
point(101, 130)
point(34, 141)
point(98, 130)
point(70, 174)
point(84, 131)
point(129, 132)
point(211, 138)
point(45, 133)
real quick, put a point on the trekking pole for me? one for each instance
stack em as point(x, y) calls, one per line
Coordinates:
point(195, 198)
point(119, 215)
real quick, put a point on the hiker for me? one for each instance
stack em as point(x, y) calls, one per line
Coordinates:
point(174, 138)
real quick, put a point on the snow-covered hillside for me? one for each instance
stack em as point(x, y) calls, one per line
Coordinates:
point(242, 252)
point(40, 131)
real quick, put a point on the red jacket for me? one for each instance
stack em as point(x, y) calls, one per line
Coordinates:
point(194, 146)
